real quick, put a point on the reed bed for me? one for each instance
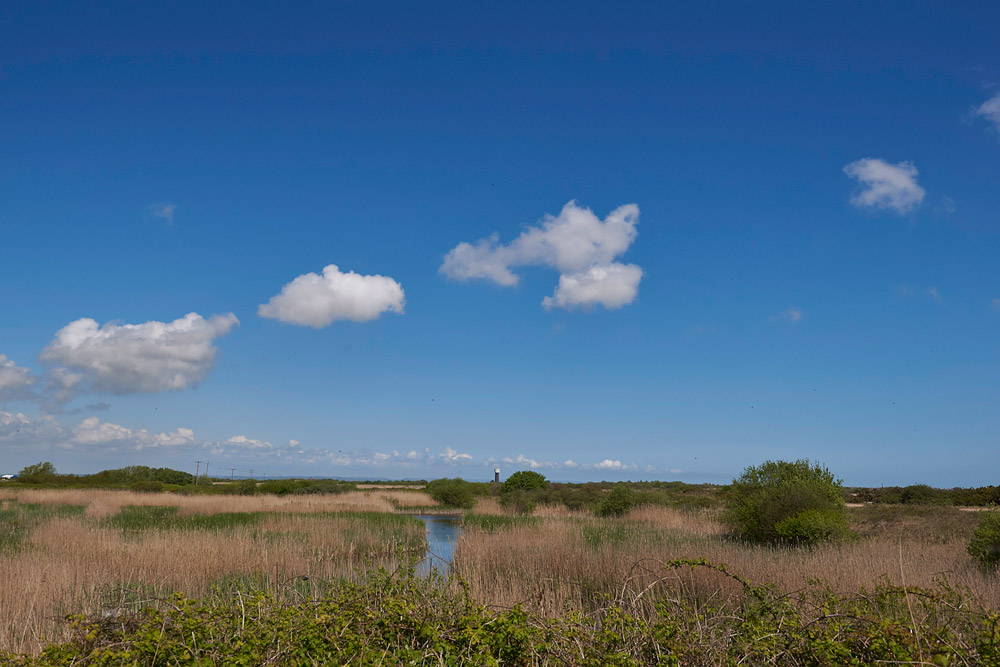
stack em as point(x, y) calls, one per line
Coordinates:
point(551, 564)
point(106, 502)
point(63, 558)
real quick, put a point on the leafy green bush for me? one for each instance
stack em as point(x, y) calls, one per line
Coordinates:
point(618, 502)
point(984, 545)
point(780, 501)
point(452, 492)
point(523, 480)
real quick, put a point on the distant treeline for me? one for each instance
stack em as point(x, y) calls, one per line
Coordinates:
point(157, 480)
point(922, 494)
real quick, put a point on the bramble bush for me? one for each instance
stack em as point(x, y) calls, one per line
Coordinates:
point(781, 501)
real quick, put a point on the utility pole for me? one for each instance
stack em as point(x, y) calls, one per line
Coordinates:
point(197, 472)
point(232, 474)
point(251, 473)
point(206, 470)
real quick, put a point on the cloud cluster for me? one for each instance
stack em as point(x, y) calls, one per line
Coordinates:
point(92, 431)
point(990, 110)
point(132, 358)
point(576, 243)
point(523, 461)
point(318, 301)
point(15, 381)
point(886, 186)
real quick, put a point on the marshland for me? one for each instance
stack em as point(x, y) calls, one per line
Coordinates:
point(553, 557)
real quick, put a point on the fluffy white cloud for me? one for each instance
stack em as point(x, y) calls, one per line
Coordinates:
point(93, 432)
point(576, 243)
point(990, 110)
point(318, 301)
point(886, 186)
point(611, 286)
point(14, 380)
point(131, 358)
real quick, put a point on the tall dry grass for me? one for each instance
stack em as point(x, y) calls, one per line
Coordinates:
point(556, 563)
point(84, 564)
point(105, 502)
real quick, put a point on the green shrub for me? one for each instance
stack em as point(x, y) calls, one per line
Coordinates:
point(324, 486)
point(805, 501)
point(523, 480)
point(984, 545)
point(147, 487)
point(813, 526)
point(618, 502)
point(243, 487)
point(37, 473)
point(452, 492)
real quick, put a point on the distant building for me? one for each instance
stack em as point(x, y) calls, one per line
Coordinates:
point(496, 475)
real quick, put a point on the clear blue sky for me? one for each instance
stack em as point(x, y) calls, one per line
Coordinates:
point(805, 265)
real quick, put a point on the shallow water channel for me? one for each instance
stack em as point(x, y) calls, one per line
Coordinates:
point(442, 536)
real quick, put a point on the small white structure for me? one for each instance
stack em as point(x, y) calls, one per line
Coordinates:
point(496, 475)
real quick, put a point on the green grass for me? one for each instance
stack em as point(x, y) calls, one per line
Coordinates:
point(137, 518)
point(493, 522)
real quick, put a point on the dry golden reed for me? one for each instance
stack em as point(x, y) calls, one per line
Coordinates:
point(105, 502)
point(554, 563)
point(81, 565)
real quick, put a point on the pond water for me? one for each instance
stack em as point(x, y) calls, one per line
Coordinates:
point(442, 536)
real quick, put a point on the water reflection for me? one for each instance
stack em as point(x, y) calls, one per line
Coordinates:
point(442, 536)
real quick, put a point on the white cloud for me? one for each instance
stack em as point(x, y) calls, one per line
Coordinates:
point(164, 210)
point(886, 186)
point(612, 286)
point(318, 301)
point(933, 293)
point(93, 432)
point(132, 358)
point(18, 431)
point(14, 380)
point(792, 314)
point(576, 243)
point(451, 456)
point(990, 110)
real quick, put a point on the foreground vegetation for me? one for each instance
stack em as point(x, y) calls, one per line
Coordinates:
point(392, 617)
point(774, 569)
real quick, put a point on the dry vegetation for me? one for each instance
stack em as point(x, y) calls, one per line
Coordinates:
point(99, 552)
point(104, 501)
point(72, 551)
point(551, 563)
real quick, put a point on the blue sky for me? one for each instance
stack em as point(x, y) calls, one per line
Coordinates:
point(625, 241)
